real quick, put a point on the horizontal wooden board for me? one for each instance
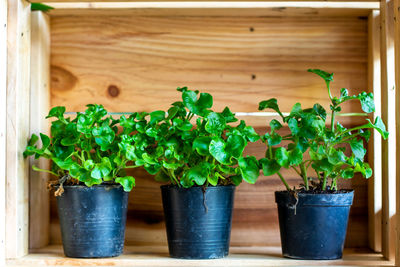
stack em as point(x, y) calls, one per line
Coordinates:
point(158, 256)
point(135, 63)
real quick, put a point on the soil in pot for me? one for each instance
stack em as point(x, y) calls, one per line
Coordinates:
point(92, 220)
point(198, 221)
point(313, 225)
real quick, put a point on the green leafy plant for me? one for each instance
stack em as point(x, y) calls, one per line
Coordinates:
point(334, 151)
point(208, 153)
point(87, 149)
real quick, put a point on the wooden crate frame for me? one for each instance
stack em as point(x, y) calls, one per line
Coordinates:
point(24, 55)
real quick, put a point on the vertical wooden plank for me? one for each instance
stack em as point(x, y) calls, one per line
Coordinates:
point(397, 69)
point(375, 145)
point(18, 83)
point(3, 111)
point(39, 211)
point(388, 116)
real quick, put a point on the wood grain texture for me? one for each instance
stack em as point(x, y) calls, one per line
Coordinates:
point(375, 145)
point(204, 1)
point(39, 218)
point(3, 123)
point(158, 256)
point(255, 218)
point(397, 77)
point(216, 8)
point(388, 116)
point(18, 86)
point(146, 58)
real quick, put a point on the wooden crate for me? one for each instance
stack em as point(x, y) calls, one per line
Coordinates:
point(130, 56)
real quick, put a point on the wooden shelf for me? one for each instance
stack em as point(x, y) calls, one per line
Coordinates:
point(158, 256)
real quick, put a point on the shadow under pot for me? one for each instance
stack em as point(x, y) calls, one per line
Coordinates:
point(92, 220)
point(198, 221)
point(313, 226)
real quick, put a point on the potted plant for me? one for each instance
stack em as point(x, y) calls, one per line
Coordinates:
point(89, 158)
point(313, 218)
point(202, 163)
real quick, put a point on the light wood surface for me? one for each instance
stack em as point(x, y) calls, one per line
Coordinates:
point(388, 116)
point(158, 256)
point(39, 107)
point(397, 78)
point(375, 145)
point(217, 8)
point(200, 1)
point(146, 58)
point(3, 121)
point(18, 86)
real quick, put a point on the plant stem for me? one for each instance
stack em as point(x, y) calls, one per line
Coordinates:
point(304, 175)
point(42, 170)
point(283, 181)
point(172, 174)
point(324, 182)
point(318, 175)
point(131, 167)
point(333, 120)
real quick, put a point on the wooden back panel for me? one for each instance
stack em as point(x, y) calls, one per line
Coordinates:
point(135, 64)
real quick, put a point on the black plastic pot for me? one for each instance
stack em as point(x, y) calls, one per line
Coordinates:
point(315, 228)
point(198, 222)
point(93, 220)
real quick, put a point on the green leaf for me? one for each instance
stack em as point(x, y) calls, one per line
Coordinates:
point(228, 115)
point(217, 150)
point(273, 138)
point(40, 7)
point(328, 77)
point(199, 173)
point(45, 141)
point(282, 157)
point(201, 145)
point(33, 140)
point(296, 110)
point(127, 182)
point(215, 123)
point(272, 104)
point(152, 168)
point(293, 126)
point(347, 173)
point(269, 166)
point(161, 176)
point(336, 157)
point(197, 106)
point(213, 179)
point(367, 102)
point(102, 169)
point(379, 126)
point(57, 112)
point(295, 156)
point(249, 169)
point(275, 125)
point(157, 116)
point(88, 164)
point(320, 111)
point(344, 92)
point(103, 136)
point(237, 179)
point(357, 146)
point(250, 134)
